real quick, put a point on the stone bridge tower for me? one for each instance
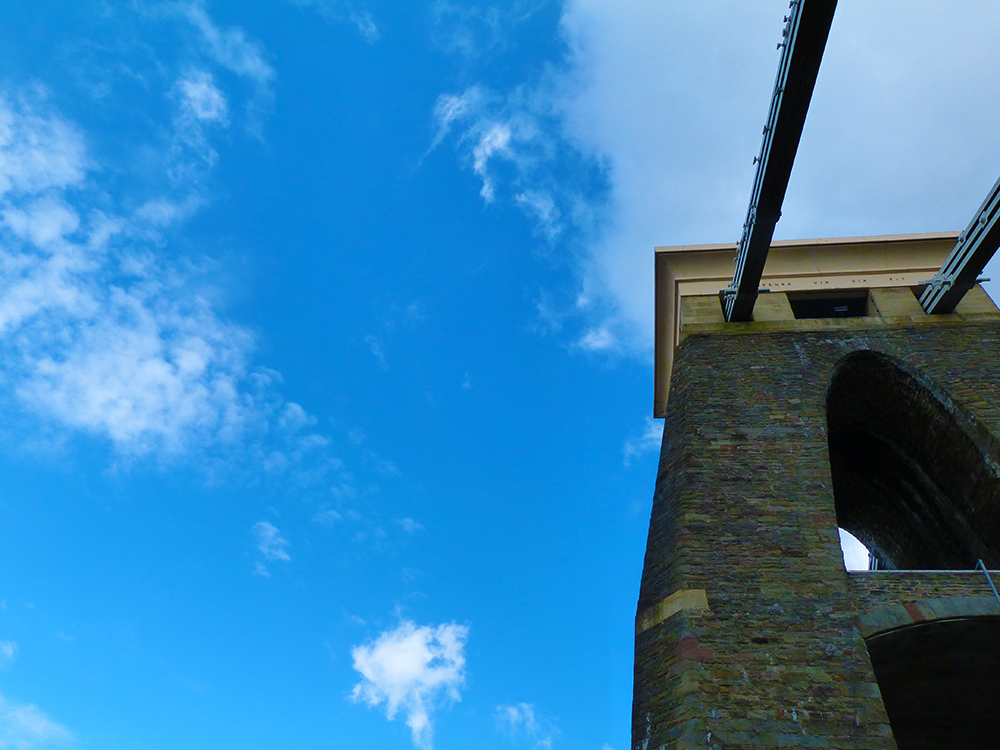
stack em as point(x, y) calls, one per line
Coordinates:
point(840, 404)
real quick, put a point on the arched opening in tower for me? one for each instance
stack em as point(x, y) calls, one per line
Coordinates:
point(940, 681)
point(914, 479)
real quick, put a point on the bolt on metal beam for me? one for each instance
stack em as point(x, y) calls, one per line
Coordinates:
point(805, 34)
point(973, 250)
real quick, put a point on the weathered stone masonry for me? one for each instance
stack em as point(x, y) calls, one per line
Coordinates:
point(748, 626)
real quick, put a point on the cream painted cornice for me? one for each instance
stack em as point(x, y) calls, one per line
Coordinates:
point(792, 266)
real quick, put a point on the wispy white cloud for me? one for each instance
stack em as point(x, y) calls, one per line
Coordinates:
point(260, 569)
point(410, 526)
point(546, 214)
point(520, 721)
point(96, 333)
point(366, 25)
point(240, 55)
point(328, 518)
point(45, 222)
point(270, 543)
point(230, 47)
point(599, 339)
point(467, 30)
point(201, 100)
point(200, 107)
point(337, 11)
point(38, 150)
point(648, 440)
point(451, 108)
point(414, 670)
point(476, 31)
point(150, 374)
point(26, 727)
point(294, 418)
point(8, 652)
point(101, 334)
point(512, 135)
point(675, 164)
point(495, 140)
point(377, 348)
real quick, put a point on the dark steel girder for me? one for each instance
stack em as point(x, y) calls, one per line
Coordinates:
point(806, 31)
point(975, 246)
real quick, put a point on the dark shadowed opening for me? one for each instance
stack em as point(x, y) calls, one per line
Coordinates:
point(914, 479)
point(851, 303)
point(940, 682)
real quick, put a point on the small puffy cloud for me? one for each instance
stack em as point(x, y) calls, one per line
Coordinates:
point(44, 222)
point(201, 100)
point(599, 339)
point(313, 441)
point(328, 518)
point(344, 490)
point(294, 418)
point(648, 440)
point(8, 652)
point(520, 721)
point(366, 25)
point(147, 373)
point(260, 569)
point(270, 543)
point(26, 727)
point(38, 150)
point(384, 466)
point(162, 212)
point(377, 348)
point(414, 670)
point(512, 718)
point(275, 462)
point(410, 526)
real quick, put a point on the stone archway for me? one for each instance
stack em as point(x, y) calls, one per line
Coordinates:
point(938, 668)
point(914, 478)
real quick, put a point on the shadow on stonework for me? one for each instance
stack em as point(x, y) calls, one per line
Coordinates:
point(914, 478)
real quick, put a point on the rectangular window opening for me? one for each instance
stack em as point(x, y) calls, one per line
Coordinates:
point(845, 303)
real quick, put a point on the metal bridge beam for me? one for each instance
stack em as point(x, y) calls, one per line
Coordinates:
point(975, 246)
point(806, 31)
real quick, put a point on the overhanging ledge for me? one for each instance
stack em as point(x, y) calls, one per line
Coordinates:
point(792, 266)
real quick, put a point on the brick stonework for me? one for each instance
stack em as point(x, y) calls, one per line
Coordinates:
point(765, 651)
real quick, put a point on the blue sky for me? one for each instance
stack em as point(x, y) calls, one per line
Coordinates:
point(325, 331)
